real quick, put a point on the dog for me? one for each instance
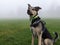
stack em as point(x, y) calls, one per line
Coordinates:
point(38, 27)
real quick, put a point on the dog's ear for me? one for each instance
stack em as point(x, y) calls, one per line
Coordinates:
point(29, 5)
point(37, 8)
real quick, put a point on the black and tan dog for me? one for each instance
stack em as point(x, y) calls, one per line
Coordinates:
point(38, 28)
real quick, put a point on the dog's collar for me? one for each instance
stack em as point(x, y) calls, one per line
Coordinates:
point(33, 17)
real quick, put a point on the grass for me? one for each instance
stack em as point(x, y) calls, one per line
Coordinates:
point(17, 32)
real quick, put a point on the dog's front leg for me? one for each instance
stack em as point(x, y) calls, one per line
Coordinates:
point(32, 40)
point(40, 39)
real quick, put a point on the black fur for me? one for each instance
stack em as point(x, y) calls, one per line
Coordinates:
point(35, 20)
point(37, 8)
point(46, 33)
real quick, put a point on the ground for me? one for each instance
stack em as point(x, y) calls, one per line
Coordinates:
point(17, 32)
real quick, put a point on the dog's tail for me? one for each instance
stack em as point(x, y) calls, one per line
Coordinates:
point(56, 37)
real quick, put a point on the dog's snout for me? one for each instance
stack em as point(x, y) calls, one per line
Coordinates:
point(29, 12)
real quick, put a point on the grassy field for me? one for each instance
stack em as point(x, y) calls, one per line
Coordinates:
point(17, 32)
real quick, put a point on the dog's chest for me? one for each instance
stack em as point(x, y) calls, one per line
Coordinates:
point(36, 30)
point(35, 22)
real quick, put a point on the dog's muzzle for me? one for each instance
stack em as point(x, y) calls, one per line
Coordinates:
point(29, 12)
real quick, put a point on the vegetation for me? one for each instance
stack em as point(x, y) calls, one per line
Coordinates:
point(17, 32)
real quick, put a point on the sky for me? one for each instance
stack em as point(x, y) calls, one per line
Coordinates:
point(18, 8)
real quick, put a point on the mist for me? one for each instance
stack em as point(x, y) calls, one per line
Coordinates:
point(10, 9)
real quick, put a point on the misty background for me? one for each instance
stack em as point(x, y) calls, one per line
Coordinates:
point(10, 9)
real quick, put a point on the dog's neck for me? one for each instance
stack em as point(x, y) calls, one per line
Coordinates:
point(33, 17)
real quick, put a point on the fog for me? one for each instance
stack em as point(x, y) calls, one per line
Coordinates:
point(10, 9)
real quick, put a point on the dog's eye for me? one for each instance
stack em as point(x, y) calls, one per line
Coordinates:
point(33, 9)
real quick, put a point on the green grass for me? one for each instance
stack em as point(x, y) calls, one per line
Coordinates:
point(17, 32)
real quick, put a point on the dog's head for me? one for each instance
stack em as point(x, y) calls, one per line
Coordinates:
point(32, 10)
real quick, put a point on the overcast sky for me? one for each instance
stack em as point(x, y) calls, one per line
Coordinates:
point(17, 8)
